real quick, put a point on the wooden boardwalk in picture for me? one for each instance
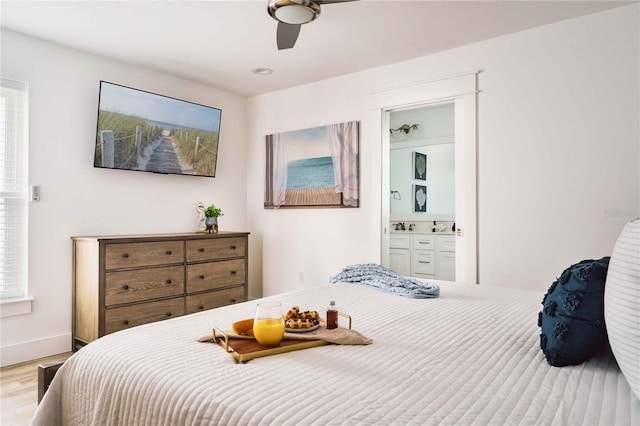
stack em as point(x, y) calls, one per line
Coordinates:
point(164, 158)
point(312, 197)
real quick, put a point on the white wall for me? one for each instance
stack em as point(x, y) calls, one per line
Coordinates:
point(78, 199)
point(558, 154)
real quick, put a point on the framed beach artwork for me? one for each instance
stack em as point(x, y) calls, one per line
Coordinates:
point(419, 166)
point(315, 167)
point(419, 198)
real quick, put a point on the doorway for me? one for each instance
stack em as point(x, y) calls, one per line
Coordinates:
point(458, 258)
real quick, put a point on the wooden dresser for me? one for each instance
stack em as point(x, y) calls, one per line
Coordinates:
point(124, 281)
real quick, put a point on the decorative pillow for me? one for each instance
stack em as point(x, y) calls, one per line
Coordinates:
point(572, 317)
point(622, 304)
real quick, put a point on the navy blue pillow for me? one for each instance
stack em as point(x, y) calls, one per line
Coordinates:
point(572, 317)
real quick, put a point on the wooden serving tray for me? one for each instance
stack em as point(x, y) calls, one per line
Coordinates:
point(244, 350)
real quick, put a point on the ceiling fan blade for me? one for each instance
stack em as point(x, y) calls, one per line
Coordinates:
point(287, 35)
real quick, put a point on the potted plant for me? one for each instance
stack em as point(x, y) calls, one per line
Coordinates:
point(211, 214)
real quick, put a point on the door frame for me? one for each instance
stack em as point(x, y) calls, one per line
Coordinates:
point(462, 90)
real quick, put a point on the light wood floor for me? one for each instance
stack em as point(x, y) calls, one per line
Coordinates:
point(19, 390)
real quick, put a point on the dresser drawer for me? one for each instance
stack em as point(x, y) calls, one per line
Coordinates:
point(214, 299)
point(142, 313)
point(424, 262)
point(131, 255)
point(213, 249)
point(143, 284)
point(212, 275)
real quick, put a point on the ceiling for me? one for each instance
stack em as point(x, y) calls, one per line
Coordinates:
point(219, 43)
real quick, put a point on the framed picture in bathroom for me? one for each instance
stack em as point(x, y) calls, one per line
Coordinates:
point(419, 166)
point(419, 198)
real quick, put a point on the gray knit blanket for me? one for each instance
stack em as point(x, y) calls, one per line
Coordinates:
point(377, 276)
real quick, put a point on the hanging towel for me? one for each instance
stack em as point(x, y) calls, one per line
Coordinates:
point(377, 276)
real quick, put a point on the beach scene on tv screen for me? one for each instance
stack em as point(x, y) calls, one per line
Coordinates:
point(138, 130)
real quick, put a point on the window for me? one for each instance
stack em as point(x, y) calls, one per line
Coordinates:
point(13, 189)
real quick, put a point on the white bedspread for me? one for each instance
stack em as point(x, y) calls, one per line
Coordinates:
point(470, 356)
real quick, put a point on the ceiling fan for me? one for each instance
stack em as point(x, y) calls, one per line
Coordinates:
point(291, 14)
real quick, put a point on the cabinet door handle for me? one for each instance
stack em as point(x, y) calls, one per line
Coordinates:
point(201, 250)
point(201, 307)
point(168, 281)
point(201, 277)
point(125, 287)
point(233, 300)
point(125, 255)
point(168, 314)
point(125, 322)
point(233, 247)
point(168, 252)
point(234, 272)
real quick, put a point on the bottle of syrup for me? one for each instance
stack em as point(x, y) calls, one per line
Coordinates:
point(332, 316)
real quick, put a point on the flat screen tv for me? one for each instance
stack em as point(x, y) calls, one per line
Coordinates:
point(143, 131)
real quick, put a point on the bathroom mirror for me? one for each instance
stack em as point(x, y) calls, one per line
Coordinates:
point(422, 163)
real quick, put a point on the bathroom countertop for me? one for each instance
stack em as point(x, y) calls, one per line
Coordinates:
point(393, 231)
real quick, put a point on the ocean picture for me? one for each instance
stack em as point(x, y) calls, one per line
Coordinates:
point(302, 169)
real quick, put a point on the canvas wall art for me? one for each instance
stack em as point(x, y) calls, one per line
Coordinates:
point(315, 167)
point(419, 166)
point(419, 198)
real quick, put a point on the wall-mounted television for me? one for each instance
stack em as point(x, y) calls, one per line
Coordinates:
point(143, 131)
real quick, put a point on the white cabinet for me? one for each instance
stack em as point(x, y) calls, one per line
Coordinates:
point(426, 256)
point(423, 256)
point(446, 264)
point(400, 253)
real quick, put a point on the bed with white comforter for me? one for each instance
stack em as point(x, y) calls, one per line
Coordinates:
point(470, 356)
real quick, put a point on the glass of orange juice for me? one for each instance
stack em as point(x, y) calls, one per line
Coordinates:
point(268, 325)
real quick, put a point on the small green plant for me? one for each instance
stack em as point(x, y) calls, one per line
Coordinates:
point(213, 211)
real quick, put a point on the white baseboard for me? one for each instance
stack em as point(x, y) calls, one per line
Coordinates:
point(34, 349)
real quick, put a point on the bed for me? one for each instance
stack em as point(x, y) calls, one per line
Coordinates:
point(470, 356)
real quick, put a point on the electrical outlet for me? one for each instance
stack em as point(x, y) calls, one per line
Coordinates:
point(300, 278)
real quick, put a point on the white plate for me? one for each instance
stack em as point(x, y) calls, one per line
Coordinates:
point(301, 330)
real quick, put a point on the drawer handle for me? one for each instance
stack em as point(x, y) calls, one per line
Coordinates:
point(168, 314)
point(233, 247)
point(125, 287)
point(233, 300)
point(168, 252)
point(422, 261)
point(201, 307)
point(424, 242)
point(234, 272)
point(201, 250)
point(125, 255)
point(201, 277)
point(168, 281)
point(125, 322)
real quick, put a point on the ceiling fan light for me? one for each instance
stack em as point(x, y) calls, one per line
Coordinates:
point(295, 14)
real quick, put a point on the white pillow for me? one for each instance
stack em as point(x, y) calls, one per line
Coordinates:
point(622, 304)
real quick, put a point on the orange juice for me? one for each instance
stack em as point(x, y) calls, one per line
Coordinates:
point(268, 331)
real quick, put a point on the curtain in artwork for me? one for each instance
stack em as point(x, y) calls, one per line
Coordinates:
point(344, 153)
point(276, 172)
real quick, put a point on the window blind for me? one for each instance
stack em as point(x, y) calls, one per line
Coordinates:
point(13, 188)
